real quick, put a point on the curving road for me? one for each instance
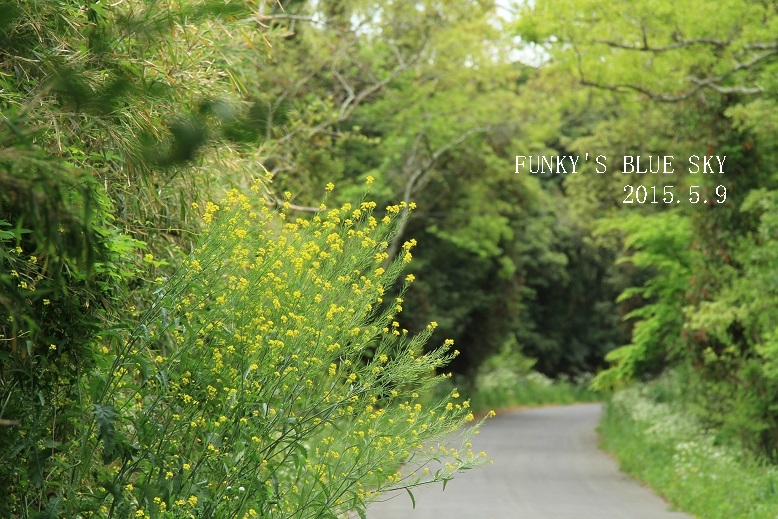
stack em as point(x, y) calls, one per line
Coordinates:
point(546, 466)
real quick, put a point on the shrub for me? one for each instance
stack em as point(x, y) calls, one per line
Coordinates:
point(269, 379)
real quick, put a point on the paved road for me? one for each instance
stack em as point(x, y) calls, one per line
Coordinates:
point(546, 466)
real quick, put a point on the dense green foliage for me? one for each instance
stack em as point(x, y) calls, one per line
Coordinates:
point(662, 79)
point(120, 122)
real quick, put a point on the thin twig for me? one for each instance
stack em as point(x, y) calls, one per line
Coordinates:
point(647, 48)
point(421, 175)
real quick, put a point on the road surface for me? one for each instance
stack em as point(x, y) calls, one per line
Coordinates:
point(546, 466)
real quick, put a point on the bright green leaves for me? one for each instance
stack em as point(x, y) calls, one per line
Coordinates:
point(658, 245)
point(656, 48)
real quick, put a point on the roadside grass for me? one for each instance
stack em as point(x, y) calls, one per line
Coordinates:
point(665, 446)
point(496, 391)
point(507, 380)
point(533, 389)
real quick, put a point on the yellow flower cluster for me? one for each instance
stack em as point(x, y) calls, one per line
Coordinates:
point(284, 372)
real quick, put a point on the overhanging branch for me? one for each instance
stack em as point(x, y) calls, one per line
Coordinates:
point(418, 176)
point(354, 99)
point(715, 83)
point(677, 45)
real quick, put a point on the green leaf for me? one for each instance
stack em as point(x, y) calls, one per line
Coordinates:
point(53, 509)
point(36, 466)
point(106, 417)
point(413, 499)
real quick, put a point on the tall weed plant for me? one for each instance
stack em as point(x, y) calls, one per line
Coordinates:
point(270, 378)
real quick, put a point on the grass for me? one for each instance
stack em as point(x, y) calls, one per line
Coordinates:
point(507, 380)
point(533, 389)
point(499, 389)
point(667, 448)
